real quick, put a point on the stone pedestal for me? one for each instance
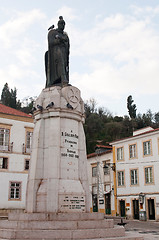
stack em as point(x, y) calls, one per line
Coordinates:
point(57, 179)
point(57, 203)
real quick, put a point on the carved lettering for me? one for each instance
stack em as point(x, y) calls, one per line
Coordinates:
point(73, 202)
point(71, 135)
point(71, 142)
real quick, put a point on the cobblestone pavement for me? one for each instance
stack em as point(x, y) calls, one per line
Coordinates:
point(147, 229)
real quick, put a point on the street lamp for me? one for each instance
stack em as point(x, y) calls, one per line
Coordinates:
point(111, 165)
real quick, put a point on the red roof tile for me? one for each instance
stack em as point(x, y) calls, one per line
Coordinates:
point(98, 154)
point(103, 146)
point(12, 111)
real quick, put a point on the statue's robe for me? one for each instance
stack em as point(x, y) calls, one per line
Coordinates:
point(57, 58)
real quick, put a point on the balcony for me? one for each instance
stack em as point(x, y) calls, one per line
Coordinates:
point(26, 149)
point(6, 148)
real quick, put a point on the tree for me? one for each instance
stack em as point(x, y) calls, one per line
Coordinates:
point(9, 97)
point(156, 119)
point(131, 107)
point(13, 100)
point(6, 95)
point(27, 104)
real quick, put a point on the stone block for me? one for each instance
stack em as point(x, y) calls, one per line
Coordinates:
point(96, 224)
point(98, 233)
point(8, 224)
point(9, 234)
point(49, 225)
point(52, 193)
point(42, 234)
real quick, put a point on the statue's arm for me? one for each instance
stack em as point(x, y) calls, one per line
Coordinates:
point(53, 39)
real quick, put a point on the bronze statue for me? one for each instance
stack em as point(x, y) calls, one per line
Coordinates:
point(57, 56)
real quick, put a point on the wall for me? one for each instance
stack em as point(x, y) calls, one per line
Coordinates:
point(16, 162)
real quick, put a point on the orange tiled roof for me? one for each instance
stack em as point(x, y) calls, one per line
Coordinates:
point(98, 154)
point(103, 146)
point(12, 111)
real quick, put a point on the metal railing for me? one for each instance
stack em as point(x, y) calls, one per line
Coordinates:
point(7, 148)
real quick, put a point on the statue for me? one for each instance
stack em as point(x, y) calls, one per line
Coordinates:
point(57, 56)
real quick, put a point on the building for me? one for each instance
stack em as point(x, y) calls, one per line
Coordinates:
point(101, 175)
point(137, 174)
point(16, 130)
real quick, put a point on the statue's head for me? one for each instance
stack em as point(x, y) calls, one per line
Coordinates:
point(61, 23)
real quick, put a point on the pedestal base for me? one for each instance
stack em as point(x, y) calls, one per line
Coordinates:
point(63, 226)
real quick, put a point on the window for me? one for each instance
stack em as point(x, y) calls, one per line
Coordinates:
point(4, 139)
point(28, 141)
point(134, 179)
point(132, 151)
point(94, 171)
point(147, 147)
point(106, 170)
point(94, 190)
point(15, 190)
point(26, 167)
point(121, 178)
point(120, 153)
point(3, 163)
point(148, 175)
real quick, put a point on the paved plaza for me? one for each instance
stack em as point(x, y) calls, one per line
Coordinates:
point(147, 229)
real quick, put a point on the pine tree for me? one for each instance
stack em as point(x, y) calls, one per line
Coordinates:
point(131, 107)
point(8, 97)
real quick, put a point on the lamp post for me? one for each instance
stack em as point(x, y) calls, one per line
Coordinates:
point(100, 188)
point(110, 194)
point(142, 207)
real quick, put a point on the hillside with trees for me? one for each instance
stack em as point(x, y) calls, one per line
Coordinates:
point(101, 127)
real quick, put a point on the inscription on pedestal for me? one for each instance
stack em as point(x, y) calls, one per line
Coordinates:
point(69, 144)
point(69, 154)
point(70, 203)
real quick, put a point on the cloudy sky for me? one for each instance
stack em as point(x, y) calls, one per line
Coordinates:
point(114, 49)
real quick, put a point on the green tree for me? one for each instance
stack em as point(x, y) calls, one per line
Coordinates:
point(131, 107)
point(156, 119)
point(13, 100)
point(102, 127)
point(6, 95)
point(9, 97)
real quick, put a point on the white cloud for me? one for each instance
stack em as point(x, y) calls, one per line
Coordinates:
point(120, 52)
point(19, 51)
point(17, 25)
point(125, 50)
point(151, 11)
point(67, 13)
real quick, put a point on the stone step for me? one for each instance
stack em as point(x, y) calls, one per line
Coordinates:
point(62, 234)
point(3, 217)
point(55, 216)
point(116, 238)
point(89, 224)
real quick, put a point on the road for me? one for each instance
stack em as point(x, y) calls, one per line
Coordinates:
point(147, 229)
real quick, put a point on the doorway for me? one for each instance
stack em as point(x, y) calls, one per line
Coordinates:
point(122, 208)
point(136, 209)
point(151, 209)
point(95, 203)
point(107, 203)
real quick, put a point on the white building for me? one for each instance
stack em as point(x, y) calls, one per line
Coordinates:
point(101, 175)
point(137, 174)
point(15, 143)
